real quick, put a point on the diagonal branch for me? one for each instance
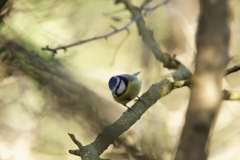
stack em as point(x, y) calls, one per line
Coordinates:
point(156, 91)
point(232, 70)
point(105, 36)
point(148, 38)
point(112, 132)
point(80, 146)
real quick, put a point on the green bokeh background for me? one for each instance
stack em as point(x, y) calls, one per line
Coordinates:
point(31, 128)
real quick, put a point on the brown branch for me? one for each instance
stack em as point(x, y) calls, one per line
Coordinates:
point(232, 70)
point(51, 75)
point(112, 132)
point(148, 38)
point(182, 83)
point(157, 91)
point(227, 95)
point(230, 95)
point(48, 76)
point(80, 146)
point(179, 84)
point(105, 36)
point(88, 154)
point(64, 93)
point(212, 43)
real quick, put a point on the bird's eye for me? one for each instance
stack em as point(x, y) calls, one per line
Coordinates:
point(128, 99)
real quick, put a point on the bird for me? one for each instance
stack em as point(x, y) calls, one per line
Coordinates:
point(125, 88)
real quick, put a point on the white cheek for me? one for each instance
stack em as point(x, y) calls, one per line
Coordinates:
point(121, 88)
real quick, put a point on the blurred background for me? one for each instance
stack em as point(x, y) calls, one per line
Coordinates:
point(42, 99)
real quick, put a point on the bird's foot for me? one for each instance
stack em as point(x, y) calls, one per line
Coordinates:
point(128, 108)
point(139, 98)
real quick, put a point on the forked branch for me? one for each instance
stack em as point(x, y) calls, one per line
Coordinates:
point(105, 36)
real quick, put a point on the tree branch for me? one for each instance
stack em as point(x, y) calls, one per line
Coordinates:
point(105, 36)
point(157, 91)
point(228, 95)
point(112, 132)
point(80, 146)
point(232, 70)
point(179, 84)
point(50, 75)
point(147, 36)
point(205, 99)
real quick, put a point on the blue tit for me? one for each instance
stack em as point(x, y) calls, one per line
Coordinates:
point(125, 88)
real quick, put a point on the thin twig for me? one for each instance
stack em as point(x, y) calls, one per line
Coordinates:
point(75, 152)
point(64, 47)
point(145, 3)
point(232, 70)
point(80, 146)
point(119, 45)
point(230, 95)
point(158, 5)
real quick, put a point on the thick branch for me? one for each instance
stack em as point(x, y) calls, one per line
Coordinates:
point(112, 132)
point(212, 43)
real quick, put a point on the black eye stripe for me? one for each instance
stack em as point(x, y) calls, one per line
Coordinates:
point(118, 85)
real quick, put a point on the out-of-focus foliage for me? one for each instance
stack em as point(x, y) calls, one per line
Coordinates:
point(32, 128)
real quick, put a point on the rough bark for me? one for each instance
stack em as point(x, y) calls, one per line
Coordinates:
point(206, 96)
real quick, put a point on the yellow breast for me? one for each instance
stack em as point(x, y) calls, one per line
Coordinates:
point(131, 92)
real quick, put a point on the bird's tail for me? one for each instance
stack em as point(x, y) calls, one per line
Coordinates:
point(136, 74)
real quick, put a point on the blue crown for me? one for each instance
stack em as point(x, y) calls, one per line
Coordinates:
point(112, 82)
